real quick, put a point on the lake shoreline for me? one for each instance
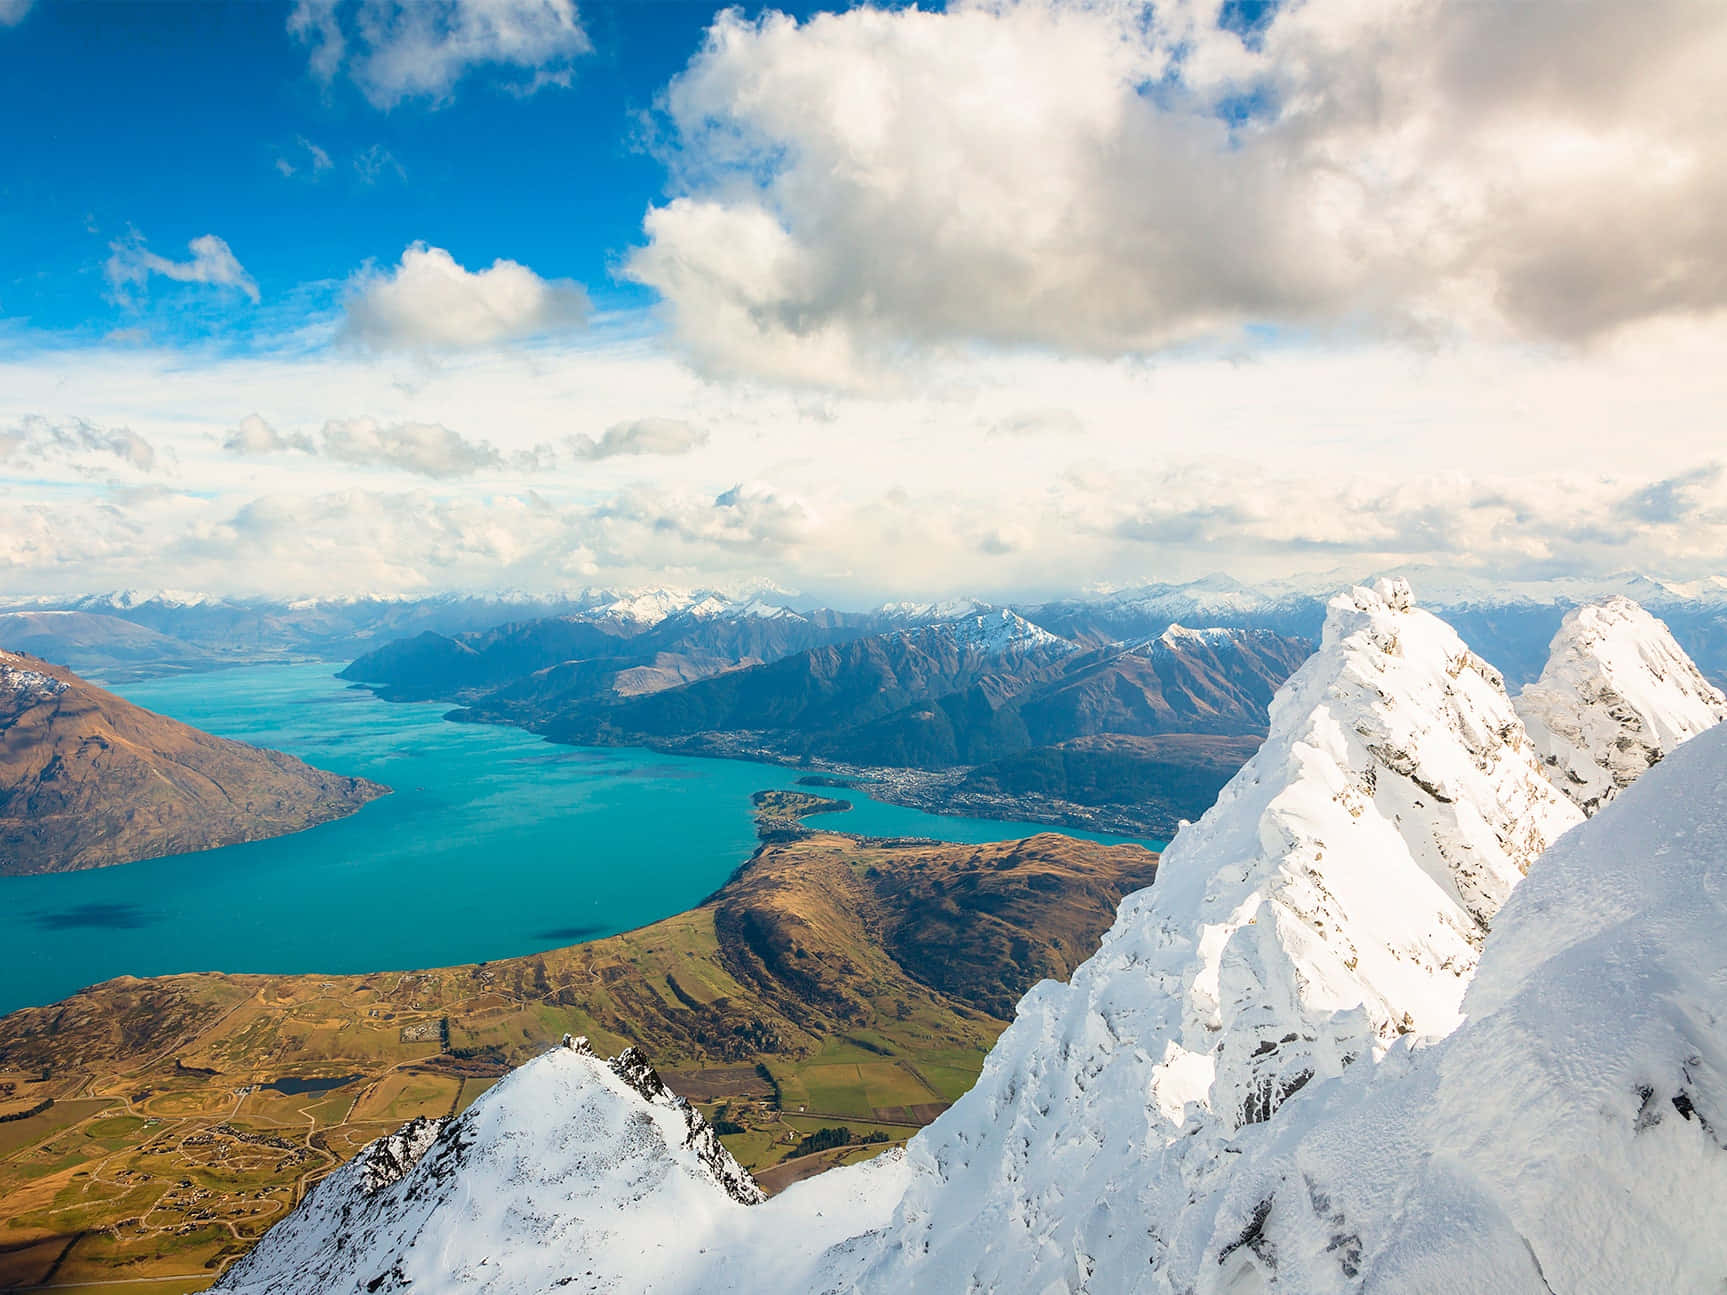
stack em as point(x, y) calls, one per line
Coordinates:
point(495, 844)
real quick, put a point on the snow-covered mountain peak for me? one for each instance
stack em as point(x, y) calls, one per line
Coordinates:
point(1617, 695)
point(715, 607)
point(949, 609)
point(995, 632)
point(1334, 900)
point(708, 607)
point(645, 607)
point(582, 1168)
point(1179, 636)
point(129, 599)
point(1182, 638)
point(1243, 1090)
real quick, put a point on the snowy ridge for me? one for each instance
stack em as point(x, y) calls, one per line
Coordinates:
point(1333, 900)
point(1179, 638)
point(1617, 695)
point(647, 607)
point(1214, 595)
point(127, 599)
point(712, 607)
point(993, 633)
point(950, 609)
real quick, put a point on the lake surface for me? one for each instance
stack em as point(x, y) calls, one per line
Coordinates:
point(494, 844)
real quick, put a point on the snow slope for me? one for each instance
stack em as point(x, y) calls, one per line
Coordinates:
point(19, 681)
point(571, 1174)
point(1616, 696)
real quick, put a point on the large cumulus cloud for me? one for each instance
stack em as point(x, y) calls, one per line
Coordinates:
point(1112, 177)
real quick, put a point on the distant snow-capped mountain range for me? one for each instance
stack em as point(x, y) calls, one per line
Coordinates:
point(1213, 595)
point(1341, 1045)
point(1510, 621)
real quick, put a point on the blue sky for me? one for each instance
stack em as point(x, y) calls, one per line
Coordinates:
point(176, 119)
point(1003, 298)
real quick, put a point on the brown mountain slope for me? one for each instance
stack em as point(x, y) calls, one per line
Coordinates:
point(88, 780)
point(186, 1114)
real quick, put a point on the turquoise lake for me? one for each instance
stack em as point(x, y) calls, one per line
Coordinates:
point(494, 844)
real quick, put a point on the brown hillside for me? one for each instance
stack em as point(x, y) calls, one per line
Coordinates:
point(88, 780)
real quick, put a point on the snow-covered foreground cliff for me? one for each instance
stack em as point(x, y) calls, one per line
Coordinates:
point(1572, 1135)
point(1617, 694)
point(1334, 900)
point(1249, 1087)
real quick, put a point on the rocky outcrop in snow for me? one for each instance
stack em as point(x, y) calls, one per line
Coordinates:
point(389, 1159)
point(1617, 695)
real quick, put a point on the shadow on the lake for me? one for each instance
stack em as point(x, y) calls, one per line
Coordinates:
point(108, 917)
point(570, 933)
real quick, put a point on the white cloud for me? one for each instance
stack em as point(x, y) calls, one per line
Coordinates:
point(38, 443)
point(641, 436)
point(396, 50)
point(1516, 460)
point(1112, 178)
point(131, 264)
point(254, 436)
point(12, 12)
point(854, 551)
point(374, 163)
point(1039, 422)
point(430, 302)
point(306, 158)
point(424, 449)
point(429, 449)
